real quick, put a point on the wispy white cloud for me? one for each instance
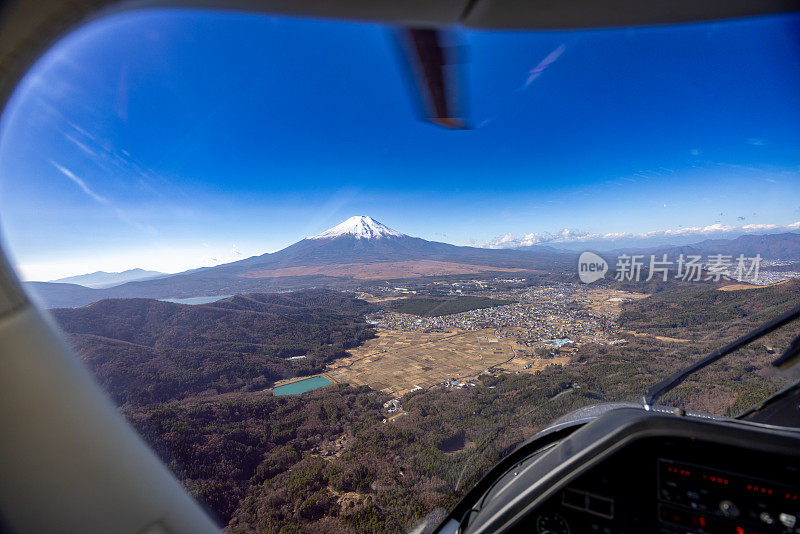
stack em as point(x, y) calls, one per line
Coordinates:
point(574, 236)
point(80, 183)
point(537, 71)
point(149, 229)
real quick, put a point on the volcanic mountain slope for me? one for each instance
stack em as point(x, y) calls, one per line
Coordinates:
point(358, 248)
point(362, 239)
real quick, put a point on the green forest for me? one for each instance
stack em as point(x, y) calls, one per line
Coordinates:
point(326, 460)
point(145, 351)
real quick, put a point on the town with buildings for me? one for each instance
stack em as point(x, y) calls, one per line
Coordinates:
point(553, 315)
point(529, 327)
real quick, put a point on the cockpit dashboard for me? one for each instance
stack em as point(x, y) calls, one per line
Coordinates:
point(633, 471)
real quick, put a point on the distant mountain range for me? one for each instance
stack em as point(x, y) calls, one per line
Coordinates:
point(361, 249)
point(785, 246)
point(102, 279)
point(357, 250)
point(652, 242)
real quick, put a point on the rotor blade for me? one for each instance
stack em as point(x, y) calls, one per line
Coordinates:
point(431, 60)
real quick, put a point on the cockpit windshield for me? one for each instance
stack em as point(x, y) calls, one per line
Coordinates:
point(333, 272)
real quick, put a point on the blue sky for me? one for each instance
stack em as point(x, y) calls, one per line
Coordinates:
point(175, 139)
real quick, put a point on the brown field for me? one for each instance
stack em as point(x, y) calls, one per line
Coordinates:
point(373, 299)
point(738, 287)
point(380, 271)
point(660, 338)
point(601, 300)
point(396, 361)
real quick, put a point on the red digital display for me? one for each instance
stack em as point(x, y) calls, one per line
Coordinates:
point(679, 471)
point(716, 479)
point(693, 520)
point(708, 500)
point(759, 489)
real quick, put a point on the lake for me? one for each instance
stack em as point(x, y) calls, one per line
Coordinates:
point(197, 300)
point(301, 386)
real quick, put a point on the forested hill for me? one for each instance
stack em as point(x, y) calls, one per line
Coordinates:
point(691, 311)
point(146, 351)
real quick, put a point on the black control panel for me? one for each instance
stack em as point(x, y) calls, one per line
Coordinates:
point(676, 487)
point(698, 498)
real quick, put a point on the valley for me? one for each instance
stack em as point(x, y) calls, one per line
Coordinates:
point(391, 270)
point(398, 362)
point(526, 330)
point(363, 403)
point(579, 202)
point(419, 407)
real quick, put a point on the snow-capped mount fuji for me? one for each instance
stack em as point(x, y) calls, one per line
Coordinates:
point(360, 227)
point(364, 242)
point(347, 255)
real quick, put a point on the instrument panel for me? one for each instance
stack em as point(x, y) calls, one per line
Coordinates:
point(712, 500)
point(677, 486)
point(636, 471)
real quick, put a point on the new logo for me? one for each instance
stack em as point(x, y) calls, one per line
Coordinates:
point(591, 267)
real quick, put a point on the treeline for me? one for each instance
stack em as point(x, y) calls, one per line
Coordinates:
point(220, 449)
point(269, 465)
point(711, 318)
point(692, 312)
point(326, 461)
point(146, 351)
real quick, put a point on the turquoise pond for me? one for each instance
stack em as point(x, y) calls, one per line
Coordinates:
point(301, 386)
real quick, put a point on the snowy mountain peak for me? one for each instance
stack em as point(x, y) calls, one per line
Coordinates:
point(360, 227)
